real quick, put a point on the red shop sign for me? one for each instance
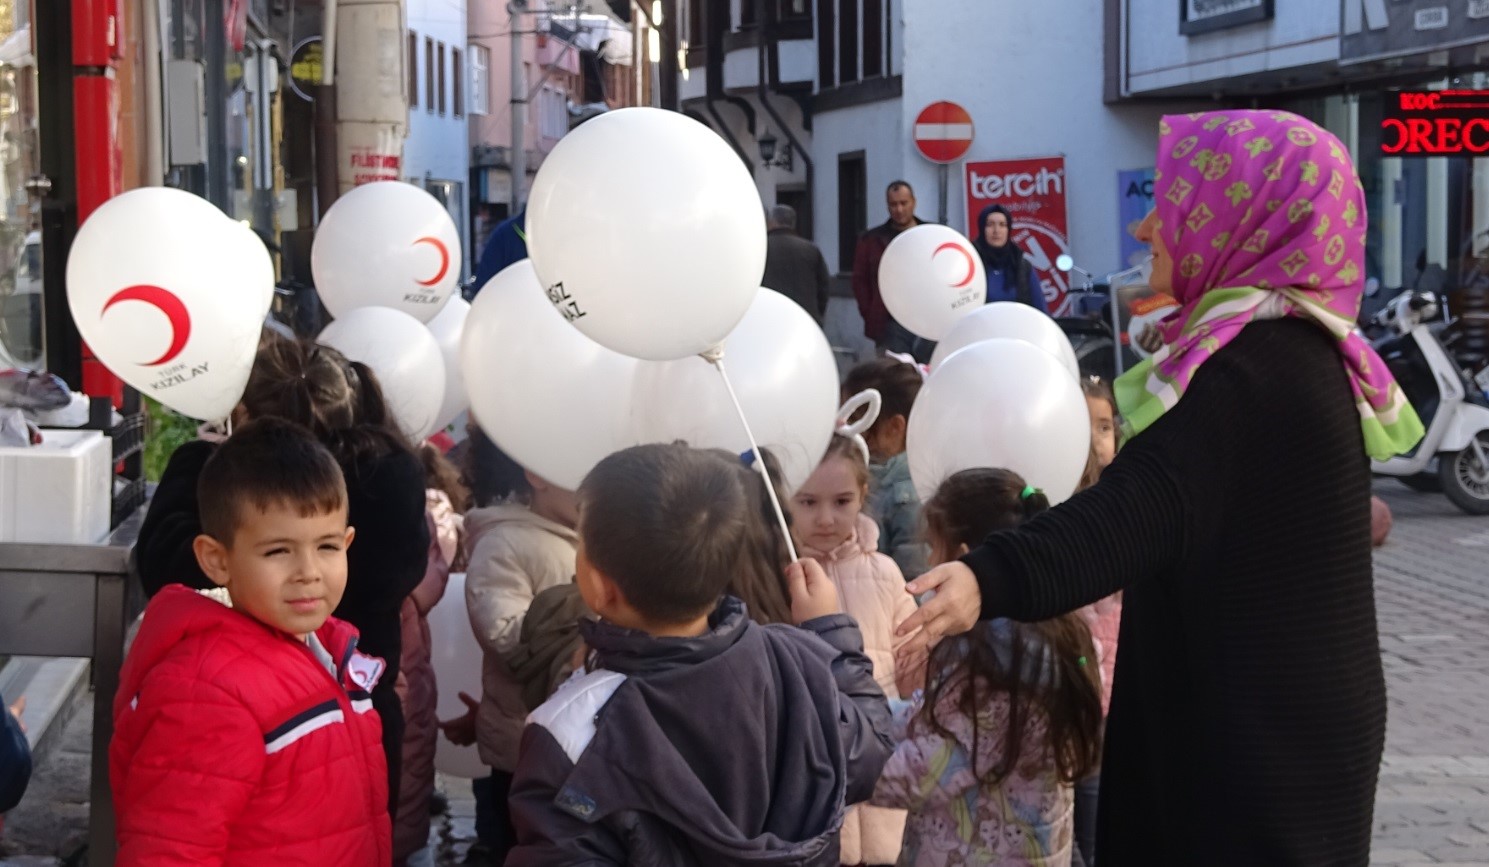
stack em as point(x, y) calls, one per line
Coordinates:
point(1435, 123)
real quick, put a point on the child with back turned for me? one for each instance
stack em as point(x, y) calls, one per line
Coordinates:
point(246, 735)
point(694, 735)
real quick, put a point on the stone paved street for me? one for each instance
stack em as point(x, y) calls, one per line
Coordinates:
point(1432, 584)
point(1432, 591)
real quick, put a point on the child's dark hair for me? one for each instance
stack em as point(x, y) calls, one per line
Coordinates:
point(490, 473)
point(265, 463)
point(1051, 668)
point(898, 385)
point(669, 525)
point(442, 475)
point(760, 579)
point(316, 387)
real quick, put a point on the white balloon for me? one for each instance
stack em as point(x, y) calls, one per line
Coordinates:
point(656, 264)
point(782, 368)
point(1002, 404)
point(386, 244)
point(169, 295)
point(447, 329)
point(553, 399)
point(404, 356)
point(930, 277)
point(456, 656)
point(1008, 319)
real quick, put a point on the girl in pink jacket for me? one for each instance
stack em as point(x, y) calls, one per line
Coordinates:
point(829, 526)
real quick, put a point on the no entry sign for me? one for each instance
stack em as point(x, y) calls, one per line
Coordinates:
point(943, 132)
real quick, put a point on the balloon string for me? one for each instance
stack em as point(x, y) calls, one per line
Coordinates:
point(770, 488)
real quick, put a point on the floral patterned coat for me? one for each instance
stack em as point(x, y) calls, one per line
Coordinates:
point(956, 820)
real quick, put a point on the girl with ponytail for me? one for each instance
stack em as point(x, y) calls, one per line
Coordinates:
point(1010, 718)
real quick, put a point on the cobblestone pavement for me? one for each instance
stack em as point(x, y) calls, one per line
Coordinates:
point(1432, 590)
point(1432, 593)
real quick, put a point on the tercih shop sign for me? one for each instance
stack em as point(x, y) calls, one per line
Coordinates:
point(1435, 123)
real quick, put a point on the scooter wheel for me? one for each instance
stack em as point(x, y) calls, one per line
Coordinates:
point(1465, 480)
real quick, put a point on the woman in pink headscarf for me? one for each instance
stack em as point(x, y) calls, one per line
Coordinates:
point(1248, 712)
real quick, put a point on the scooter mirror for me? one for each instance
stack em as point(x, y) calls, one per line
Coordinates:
point(1064, 262)
point(1372, 286)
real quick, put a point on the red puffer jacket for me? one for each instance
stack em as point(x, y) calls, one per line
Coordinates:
point(233, 745)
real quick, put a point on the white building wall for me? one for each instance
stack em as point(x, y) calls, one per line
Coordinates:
point(1031, 76)
point(437, 147)
point(1159, 56)
point(875, 129)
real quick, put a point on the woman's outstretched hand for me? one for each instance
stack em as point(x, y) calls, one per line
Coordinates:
point(952, 610)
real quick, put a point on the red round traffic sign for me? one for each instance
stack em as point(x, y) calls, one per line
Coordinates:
point(943, 132)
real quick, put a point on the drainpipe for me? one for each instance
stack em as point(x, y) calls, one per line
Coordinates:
point(762, 90)
point(517, 106)
point(155, 167)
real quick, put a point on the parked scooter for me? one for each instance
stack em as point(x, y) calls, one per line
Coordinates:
point(1453, 407)
point(1092, 325)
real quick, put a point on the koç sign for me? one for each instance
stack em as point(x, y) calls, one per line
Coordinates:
point(1435, 123)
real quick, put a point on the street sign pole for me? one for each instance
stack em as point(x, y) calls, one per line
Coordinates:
point(944, 172)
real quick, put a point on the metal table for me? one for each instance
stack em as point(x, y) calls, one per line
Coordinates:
point(77, 600)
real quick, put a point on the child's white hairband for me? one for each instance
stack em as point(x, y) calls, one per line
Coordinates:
point(870, 401)
point(905, 358)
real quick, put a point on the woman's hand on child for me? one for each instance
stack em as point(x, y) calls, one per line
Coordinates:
point(17, 709)
point(953, 609)
point(812, 592)
point(461, 731)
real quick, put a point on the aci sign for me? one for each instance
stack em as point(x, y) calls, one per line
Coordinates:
point(1435, 123)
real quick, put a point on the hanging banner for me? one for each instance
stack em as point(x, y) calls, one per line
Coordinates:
point(1033, 191)
point(1134, 201)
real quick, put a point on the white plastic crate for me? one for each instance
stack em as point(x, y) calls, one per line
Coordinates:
point(60, 491)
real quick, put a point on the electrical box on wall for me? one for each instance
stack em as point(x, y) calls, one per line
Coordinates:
point(186, 121)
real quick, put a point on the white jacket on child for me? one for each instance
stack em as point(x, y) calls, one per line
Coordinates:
point(514, 556)
point(871, 589)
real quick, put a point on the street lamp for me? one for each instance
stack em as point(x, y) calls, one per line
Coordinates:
point(768, 156)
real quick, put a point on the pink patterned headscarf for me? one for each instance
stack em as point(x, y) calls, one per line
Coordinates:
point(1265, 218)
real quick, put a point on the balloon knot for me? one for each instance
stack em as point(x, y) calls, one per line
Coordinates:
point(714, 355)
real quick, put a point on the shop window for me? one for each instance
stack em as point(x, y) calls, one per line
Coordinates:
point(441, 74)
point(457, 82)
point(413, 69)
point(429, 74)
point(826, 56)
point(847, 41)
point(873, 38)
point(480, 79)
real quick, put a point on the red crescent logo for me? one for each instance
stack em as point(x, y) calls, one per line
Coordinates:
point(971, 266)
point(444, 260)
point(166, 302)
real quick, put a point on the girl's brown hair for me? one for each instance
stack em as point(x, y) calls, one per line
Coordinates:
point(337, 400)
point(760, 581)
point(1049, 672)
point(442, 475)
point(1096, 388)
point(490, 473)
point(898, 385)
point(847, 449)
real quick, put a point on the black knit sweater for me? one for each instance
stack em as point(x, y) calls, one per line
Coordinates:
point(1249, 712)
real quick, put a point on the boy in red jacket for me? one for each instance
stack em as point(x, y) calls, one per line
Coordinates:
point(246, 735)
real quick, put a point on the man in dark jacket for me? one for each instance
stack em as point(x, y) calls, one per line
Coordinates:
point(506, 246)
point(696, 736)
point(15, 755)
point(794, 266)
point(878, 326)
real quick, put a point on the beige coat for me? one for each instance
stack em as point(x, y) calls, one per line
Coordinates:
point(872, 591)
point(514, 556)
